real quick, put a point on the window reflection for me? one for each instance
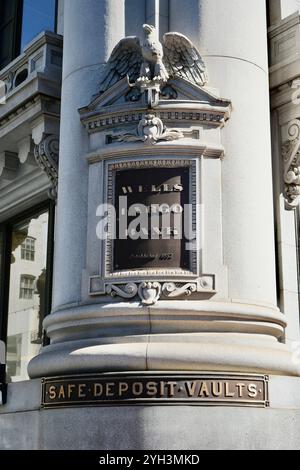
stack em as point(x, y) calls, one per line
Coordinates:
point(28, 249)
point(26, 294)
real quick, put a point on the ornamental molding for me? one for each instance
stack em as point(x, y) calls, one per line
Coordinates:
point(150, 292)
point(194, 113)
point(46, 155)
point(291, 165)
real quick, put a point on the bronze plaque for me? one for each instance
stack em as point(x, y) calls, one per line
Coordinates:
point(194, 389)
point(155, 197)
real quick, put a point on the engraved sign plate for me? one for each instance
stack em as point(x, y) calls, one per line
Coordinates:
point(186, 388)
point(156, 197)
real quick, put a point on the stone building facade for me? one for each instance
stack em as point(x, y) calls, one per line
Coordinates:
point(114, 332)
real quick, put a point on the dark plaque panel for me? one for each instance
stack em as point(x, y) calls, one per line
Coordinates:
point(162, 192)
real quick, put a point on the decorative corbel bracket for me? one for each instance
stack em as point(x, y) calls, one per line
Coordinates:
point(291, 162)
point(150, 292)
point(46, 155)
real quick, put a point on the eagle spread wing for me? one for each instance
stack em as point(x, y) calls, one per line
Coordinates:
point(182, 59)
point(125, 59)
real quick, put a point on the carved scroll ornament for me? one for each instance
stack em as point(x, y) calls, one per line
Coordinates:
point(291, 162)
point(46, 156)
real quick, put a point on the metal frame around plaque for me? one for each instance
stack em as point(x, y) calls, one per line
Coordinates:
point(170, 283)
point(261, 401)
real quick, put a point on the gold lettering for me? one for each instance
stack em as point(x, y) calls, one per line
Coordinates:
point(127, 190)
point(162, 389)
point(81, 387)
point(109, 391)
point(217, 389)
point(52, 392)
point(123, 387)
point(228, 394)
point(252, 391)
point(190, 388)
point(203, 390)
point(98, 390)
point(240, 389)
point(151, 388)
point(71, 388)
point(137, 389)
point(61, 393)
point(178, 187)
point(171, 388)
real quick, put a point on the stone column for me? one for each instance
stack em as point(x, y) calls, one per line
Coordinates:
point(233, 41)
point(238, 328)
point(91, 29)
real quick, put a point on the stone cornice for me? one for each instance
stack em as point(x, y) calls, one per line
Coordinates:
point(284, 25)
point(184, 148)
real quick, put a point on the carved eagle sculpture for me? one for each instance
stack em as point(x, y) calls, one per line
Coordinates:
point(149, 60)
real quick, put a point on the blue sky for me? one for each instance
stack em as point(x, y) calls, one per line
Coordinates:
point(38, 15)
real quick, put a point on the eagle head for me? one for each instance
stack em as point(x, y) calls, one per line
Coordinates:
point(149, 29)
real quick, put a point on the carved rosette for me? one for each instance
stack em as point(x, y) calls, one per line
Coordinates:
point(291, 162)
point(46, 155)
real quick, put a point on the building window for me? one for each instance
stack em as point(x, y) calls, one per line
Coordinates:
point(27, 287)
point(10, 30)
point(28, 249)
point(20, 22)
point(25, 297)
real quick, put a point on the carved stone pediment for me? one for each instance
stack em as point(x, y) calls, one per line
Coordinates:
point(122, 93)
point(178, 105)
point(181, 94)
